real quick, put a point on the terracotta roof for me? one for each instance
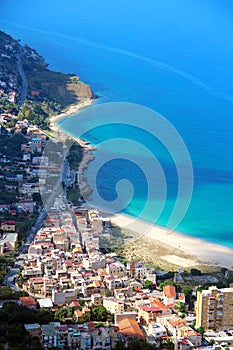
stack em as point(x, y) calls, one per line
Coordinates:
point(36, 280)
point(192, 333)
point(150, 308)
point(169, 291)
point(78, 313)
point(158, 303)
point(26, 301)
point(75, 303)
point(177, 321)
point(131, 328)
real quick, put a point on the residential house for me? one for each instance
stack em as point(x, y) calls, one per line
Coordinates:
point(169, 295)
point(130, 328)
point(136, 270)
point(29, 302)
point(8, 225)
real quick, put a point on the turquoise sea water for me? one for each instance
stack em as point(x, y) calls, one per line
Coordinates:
point(174, 56)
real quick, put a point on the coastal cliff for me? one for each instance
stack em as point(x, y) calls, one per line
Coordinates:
point(30, 90)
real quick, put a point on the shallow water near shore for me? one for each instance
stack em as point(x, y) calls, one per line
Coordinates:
point(132, 53)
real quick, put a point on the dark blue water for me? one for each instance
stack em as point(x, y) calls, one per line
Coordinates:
point(174, 56)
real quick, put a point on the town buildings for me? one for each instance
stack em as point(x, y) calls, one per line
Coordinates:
point(215, 308)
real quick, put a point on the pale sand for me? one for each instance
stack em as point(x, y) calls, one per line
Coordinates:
point(199, 251)
point(177, 260)
point(72, 109)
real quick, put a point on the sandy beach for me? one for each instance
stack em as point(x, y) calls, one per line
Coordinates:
point(178, 249)
point(71, 110)
point(187, 251)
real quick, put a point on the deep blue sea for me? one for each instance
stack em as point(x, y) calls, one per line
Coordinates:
point(174, 56)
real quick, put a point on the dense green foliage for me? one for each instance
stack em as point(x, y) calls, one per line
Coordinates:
point(148, 284)
point(73, 195)
point(99, 313)
point(10, 146)
point(136, 344)
point(12, 331)
point(36, 114)
point(8, 107)
point(6, 262)
point(75, 156)
point(6, 293)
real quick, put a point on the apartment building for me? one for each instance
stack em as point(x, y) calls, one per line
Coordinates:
point(215, 308)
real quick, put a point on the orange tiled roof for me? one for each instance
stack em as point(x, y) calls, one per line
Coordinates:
point(177, 321)
point(169, 291)
point(78, 313)
point(192, 333)
point(27, 301)
point(159, 304)
point(131, 328)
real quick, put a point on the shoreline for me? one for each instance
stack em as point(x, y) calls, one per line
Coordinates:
point(188, 251)
point(71, 110)
point(182, 250)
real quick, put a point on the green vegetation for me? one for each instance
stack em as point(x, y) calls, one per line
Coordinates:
point(63, 313)
point(165, 283)
point(10, 146)
point(115, 244)
point(36, 114)
point(8, 107)
point(75, 156)
point(12, 331)
point(135, 343)
point(6, 293)
point(48, 92)
point(181, 307)
point(201, 330)
point(99, 313)
point(6, 262)
point(73, 195)
point(148, 284)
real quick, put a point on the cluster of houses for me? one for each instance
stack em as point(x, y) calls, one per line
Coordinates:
point(9, 83)
point(21, 179)
point(26, 176)
point(65, 264)
point(8, 236)
point(9, 86)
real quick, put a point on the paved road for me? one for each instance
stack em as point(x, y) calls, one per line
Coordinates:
point(23, 93)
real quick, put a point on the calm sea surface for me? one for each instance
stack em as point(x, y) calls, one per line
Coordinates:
point(174, 56)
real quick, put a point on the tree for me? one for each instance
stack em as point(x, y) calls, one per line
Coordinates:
point(201, 330)
point(148, 284)
point(189, 297)
point(99, 313)
point(181, 307)
point(83, 319)
point(135, 343)
point(167, 344)
point(212, 341)
point(108, 293)
point(195, 272)
point(165, 283)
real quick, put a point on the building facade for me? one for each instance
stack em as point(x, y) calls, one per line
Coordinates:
point(215, 308)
